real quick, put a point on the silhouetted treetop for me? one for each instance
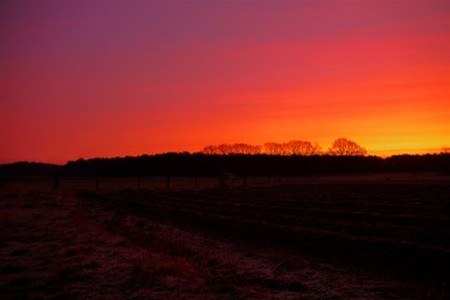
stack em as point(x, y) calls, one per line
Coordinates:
point(295, 147)
point(275, 149)
point(303, 148)
point(345, 147)
point(340, 147)
point(226, 149)
point(445, 150)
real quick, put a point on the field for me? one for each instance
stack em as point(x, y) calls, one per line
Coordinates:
point(355, 237)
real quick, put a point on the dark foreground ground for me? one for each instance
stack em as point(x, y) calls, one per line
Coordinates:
point(336, 239)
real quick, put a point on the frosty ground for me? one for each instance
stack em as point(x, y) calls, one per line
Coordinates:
point(335, 239)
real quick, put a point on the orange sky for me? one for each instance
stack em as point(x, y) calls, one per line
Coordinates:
point(113, 78)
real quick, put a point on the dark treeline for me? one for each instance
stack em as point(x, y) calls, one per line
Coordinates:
point(29, 169)
point(186, 164)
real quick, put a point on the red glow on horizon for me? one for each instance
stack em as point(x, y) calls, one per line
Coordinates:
point(105, 79)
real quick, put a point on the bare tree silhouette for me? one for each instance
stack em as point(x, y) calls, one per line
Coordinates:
point(295, 147)
point(340, 147)
point(275, 148)
point(304, 148)
point(226, 149)
point(212, 149)
point(345, 147)
point(246, 149)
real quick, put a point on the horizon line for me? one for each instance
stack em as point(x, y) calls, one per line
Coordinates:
point(437, 151)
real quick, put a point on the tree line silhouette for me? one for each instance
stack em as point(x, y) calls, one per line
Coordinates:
point(200, 164)
point(272, 159)
point(340, 147)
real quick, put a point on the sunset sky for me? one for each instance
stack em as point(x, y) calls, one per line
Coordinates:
point(113, 78)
